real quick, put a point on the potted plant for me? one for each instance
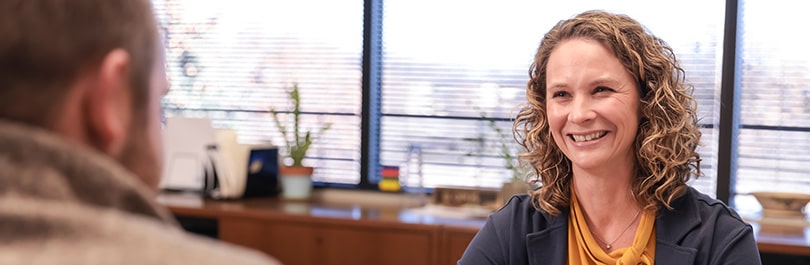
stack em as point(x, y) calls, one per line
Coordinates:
point(517, 183)
point(506, 149)
point(296, 179)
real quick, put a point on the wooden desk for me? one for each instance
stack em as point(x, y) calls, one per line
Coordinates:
point(320, 233)
point(791, 237)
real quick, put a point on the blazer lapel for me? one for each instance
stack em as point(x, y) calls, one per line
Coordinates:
point(671, 228)
point(549, 246)
point(670, 254)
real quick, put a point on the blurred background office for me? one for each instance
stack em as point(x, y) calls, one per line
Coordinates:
point(393, 75)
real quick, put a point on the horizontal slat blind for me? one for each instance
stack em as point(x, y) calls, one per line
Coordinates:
point(447, 62)
point(233, 60)
point(774, 141)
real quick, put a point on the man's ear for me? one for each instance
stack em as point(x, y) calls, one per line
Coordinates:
point(108, 101)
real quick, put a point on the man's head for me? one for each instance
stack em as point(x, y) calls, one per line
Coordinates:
point(89, 70)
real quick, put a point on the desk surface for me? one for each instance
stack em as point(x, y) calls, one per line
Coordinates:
point(192, 205)
point(782, 235)
point(791, 238)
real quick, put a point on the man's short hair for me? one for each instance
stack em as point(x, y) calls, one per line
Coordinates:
point(46, 44)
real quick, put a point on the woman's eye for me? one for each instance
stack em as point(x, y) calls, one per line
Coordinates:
point(559, 94)
point(602, 89)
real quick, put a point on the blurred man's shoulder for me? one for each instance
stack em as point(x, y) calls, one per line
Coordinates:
point(164, 242)
point(77, 234)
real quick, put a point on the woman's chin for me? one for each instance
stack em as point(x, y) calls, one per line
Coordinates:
point(592, 162)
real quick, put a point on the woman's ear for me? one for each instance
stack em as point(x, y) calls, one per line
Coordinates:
point(108, 104)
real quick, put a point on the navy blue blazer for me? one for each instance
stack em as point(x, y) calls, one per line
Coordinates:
point(699, 230)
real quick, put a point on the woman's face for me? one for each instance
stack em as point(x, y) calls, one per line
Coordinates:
point(592, 104)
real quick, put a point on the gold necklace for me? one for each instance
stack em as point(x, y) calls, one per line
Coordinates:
point(610, 245)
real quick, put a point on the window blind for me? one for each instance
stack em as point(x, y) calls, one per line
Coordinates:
point(774, 135)
point(447, 64)
point(234, 60)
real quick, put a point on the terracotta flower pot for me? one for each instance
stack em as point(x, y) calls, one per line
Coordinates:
point(296, 182)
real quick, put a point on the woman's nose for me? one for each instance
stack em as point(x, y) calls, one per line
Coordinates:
point(581, 111)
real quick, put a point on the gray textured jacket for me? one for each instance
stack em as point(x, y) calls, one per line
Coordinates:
point(700, 230)
point(62, 203)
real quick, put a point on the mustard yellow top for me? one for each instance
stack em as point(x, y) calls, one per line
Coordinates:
point(583, 248)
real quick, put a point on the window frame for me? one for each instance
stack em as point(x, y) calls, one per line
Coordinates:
point(728, 118)
point(728, 125)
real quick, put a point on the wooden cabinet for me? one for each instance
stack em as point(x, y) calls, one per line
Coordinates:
point(454, 241)
point(359, 245)
point(290, 243)
point(310, 233)
point(321, 241)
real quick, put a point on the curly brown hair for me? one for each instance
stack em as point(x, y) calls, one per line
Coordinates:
point(668, 133)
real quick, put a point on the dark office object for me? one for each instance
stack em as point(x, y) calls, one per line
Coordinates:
point(262, 178)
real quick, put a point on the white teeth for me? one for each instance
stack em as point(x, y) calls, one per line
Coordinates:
point(589, 137)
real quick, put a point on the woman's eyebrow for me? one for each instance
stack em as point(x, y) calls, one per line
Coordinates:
point(557, 85)
point(610, 82)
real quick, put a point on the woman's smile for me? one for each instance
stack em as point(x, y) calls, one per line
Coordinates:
point(579, 138)
point(593, 105)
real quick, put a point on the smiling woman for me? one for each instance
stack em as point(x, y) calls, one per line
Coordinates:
point(610, 129)
point(593, 109)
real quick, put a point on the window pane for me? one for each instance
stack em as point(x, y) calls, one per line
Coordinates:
point(443, 66)
point(234, 60)
point(774, 142)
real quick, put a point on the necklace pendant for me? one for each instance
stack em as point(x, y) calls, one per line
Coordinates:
point(608, 246)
